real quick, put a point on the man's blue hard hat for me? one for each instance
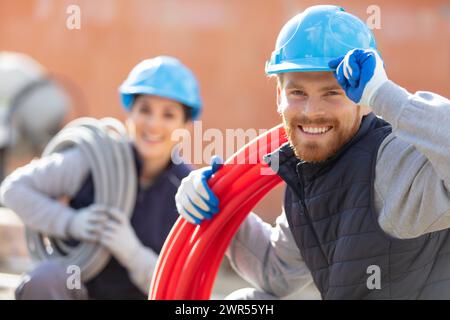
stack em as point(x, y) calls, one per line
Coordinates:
point(308, 41)
point(166, 77)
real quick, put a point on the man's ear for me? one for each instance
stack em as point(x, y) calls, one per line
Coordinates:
point(278, 95)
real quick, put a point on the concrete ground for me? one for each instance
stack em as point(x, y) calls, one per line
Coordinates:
point(14, 261)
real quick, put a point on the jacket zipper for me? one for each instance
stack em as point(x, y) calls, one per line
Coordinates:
point(305, 209)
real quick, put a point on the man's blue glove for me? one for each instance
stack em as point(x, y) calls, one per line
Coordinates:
point(194, 199)
point(360, 73)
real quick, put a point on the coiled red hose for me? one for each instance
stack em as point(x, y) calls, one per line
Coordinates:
point(191, 255)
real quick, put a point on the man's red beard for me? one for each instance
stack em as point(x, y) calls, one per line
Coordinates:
point(312, 151)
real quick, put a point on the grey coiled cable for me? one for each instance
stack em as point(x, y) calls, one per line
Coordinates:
point(105, 145)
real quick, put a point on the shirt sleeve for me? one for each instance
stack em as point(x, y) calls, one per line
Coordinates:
point(268, 258)
point(32, 191)
point(412, 182)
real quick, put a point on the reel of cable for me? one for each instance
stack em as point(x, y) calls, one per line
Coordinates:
point(191, 255)
point(105, 145)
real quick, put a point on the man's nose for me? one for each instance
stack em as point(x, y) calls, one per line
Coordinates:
point(313, 107)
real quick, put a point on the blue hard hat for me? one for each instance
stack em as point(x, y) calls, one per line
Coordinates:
point(165, 77)
point(308, 41)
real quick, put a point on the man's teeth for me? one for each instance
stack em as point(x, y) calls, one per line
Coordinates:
point(315, 130)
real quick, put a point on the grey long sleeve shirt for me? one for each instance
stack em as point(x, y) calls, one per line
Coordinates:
point(412, 192)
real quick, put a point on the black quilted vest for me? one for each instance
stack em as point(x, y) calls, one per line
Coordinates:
point(330, 210)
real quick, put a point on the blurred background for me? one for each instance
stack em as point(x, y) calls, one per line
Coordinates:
point(224, 42)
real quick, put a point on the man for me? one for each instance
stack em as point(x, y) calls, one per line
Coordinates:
point(367, 205)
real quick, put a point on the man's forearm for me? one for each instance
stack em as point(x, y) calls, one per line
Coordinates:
point(268, 257)
point(412, 180)
point(420, 119)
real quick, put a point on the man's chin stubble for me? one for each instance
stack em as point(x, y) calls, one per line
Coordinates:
point(312, 153)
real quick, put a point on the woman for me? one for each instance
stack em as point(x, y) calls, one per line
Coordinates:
point(161, 95)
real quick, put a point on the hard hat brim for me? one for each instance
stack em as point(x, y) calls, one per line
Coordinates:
point(127, 96)
point(157, 92)
point(300, 65)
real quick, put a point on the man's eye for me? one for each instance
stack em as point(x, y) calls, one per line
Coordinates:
point(144, 110)
point(298, 93)
point(169, 115)
point(332, 93)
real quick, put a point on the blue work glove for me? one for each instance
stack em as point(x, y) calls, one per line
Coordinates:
point(194, 199)
point(360, 73)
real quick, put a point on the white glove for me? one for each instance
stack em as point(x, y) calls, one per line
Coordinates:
point(118, 236)
point(194, 199)
point(86, 224)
